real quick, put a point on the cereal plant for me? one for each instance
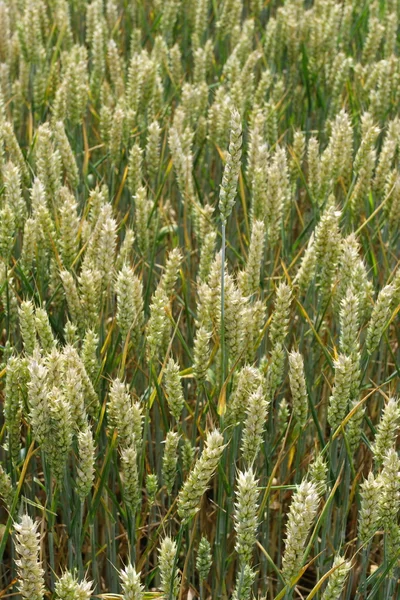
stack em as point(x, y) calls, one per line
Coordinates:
point(199, 299)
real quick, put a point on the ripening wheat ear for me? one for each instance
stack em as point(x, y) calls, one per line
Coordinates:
point(339, 400)
point(302, 512)
point(251, 276)
point(283, 416)
point(67, 156)
point(234, 319)
point(48, 161)
point(369, 519)
point(256, 417)
point(71, 333)
point(275, 199)
point(246, 381)
point(327, 249)
point(30, 571)
point(158, 326)
point(299, 148)
point(153, 149)
point(27, 326)
point(389, 499)
point(6, 489)
point(69, 588)
point(170, 578)
point(85, 464)
point(151, 488)
point(44, 330)
point(89, 354)
point(306, 271)
point(207, 255)
point(16, 377)
point(68, 227)
point(170, 275)
point(170, 460)
point(244, 580)
point(298, 387)
point(364, 162)
point(336, 160)
point(7, 231)
point(196, 484)
point(72, 358)
point(232, 167)
point(130, 583)
point(173, 389)
point(60, 434)
point(201, 354)
point(337, 578)
point(204, 559)
point(130, 476)
point(380, 317)
point(13, 193)
point(354, 426)
point(280, 317)
point(387, 430)
point(89, 295)
point(129, 290)
point(246, 515)
point(117, 127)
point(349, 322)
point(72, 296)
point(317, 474)
point(124, 414)
point(38, 391)
point(126, 249)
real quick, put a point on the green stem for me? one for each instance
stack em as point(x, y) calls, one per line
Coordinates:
point(223, 350)
point(78, 533)
point(201, 590)
point(52, 502)
point(178, 548)
point(363, 576)
point(132, 533)
point(93, 543)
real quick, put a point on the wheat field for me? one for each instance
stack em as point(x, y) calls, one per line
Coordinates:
point(199, 299)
